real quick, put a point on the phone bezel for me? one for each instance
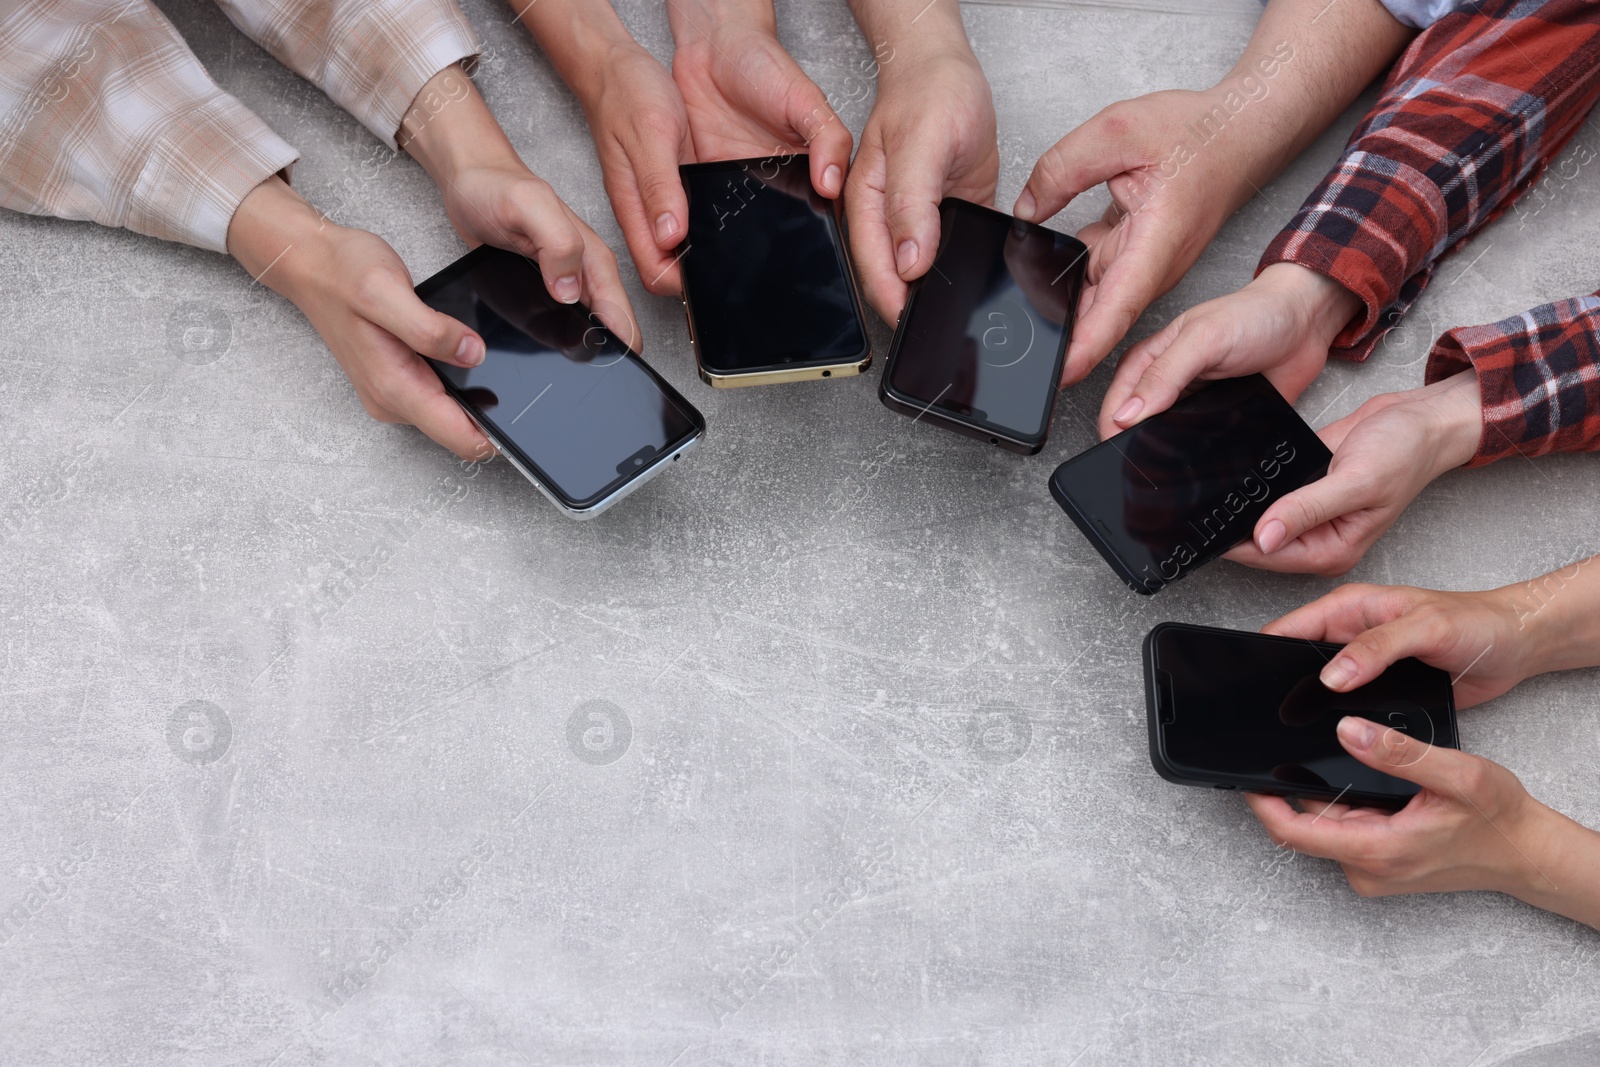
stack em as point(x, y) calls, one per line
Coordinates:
point(775, 374)
point(1008, 438)
point(1124, 570)
point(1166, 769)
point(525, 464)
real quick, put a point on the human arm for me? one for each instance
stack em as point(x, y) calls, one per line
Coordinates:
point(746, 96)
point(1472, 826)
point(931, 134)
point(1178, 163)
point(639, 123)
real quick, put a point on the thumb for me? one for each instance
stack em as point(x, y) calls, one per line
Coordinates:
point(1091, 154)
point(1433, 767)
point(1416, 633)
point(913, 188)
point(1336, 493)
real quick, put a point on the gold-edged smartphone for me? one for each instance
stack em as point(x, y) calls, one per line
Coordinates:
point(767, 285)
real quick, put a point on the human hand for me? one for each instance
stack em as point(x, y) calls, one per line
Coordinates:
point(358, 295)
point(493, 198)
point(1167, 203)
point(1472, 826)
point(1384, 454)
point(1480, 638)
point(1279, 325)
point(931, 134)
point(745, 95)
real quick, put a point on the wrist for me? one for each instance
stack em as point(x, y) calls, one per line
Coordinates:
point(279, 237)
point(449, 129)
point(1559, 866)
point(1326, 307)
point(1458, 420)
point(693, 20)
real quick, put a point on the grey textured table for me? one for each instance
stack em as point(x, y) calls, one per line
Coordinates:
point(867, 779)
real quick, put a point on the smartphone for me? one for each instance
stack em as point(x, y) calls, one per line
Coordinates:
point(571, 406)
point(983, 336)
point(1237, 710)
point(1176, 491)
point(767, 285)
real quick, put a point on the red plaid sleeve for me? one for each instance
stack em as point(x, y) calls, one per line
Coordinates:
point(1467, 120)
point(1538, 377)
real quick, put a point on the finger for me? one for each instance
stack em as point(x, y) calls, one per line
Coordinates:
point(410, 391)
point(1096, 151)
point(1440, 770)
point(826, 137)
point(1342, 491)
point(547, 232)
point(1190, 353)
point(1343, 614)
point(1126, 288)
point(913, 186)
point(1130, 370)
point(397, 309)
point(871, 247)
point(1311, 833)
point(655, 170)
point(1375, 650)
point(608, 298)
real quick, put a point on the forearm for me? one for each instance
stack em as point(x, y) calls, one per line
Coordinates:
point(1305, 63)
point(693, 20)
point(1558, 617)
point(1562, 873)
point(582, 38)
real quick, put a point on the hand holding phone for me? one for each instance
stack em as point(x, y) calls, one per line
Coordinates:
point(578, 412)
point(1184, 486)
point(1236, 710)
point(980, 344)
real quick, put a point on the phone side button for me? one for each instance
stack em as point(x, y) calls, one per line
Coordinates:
point(689, 322)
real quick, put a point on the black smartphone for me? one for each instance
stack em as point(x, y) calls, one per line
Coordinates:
point(571, 406)
point(1176, 491)
point(767, 286)
point(1237, 710)
point(983, 336)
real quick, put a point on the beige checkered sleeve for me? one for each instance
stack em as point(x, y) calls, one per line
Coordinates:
point(106, 115)
point(371, 56)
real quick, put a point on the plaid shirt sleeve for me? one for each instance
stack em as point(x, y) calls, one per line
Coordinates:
point(372, 57)
point(1538, 378)
point(1467, 120)
point(106, 115)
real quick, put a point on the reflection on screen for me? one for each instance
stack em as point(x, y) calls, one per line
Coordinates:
point(765, 270)
point(986, 332)
point(585, 412)
point(1253, 707)
point(1188, 484)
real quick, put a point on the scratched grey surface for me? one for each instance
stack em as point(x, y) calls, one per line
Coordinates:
point(281, 683)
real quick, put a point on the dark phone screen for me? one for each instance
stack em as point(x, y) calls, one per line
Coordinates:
point(764, 269)
point(1248, 705)
point(1184, 486)
point(985, 335)
point(586, 413)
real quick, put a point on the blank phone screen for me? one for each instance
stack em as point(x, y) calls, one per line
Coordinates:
point(585, 412)
point(987, 329)
point(1250, 706)
point(764, 269)
point(1184, 486)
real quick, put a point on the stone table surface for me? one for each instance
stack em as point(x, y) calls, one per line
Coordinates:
point(828, 746)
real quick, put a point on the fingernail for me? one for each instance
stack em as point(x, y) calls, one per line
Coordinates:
point(1339, 673)
point(1025, 205)
point(906, 256)
point(1358, 732)
point(567, 289)
point(1129, 410)
point(831, 178)
point(666, 227)
point(1271, 536)
point(469, 352)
